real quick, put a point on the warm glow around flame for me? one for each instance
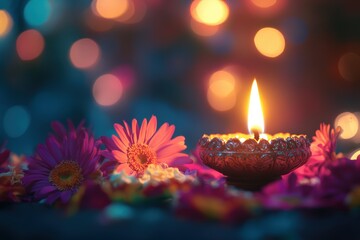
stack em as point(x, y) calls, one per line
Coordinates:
point(255, 114)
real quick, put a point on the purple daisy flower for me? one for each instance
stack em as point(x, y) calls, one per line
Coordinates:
point(63, 163)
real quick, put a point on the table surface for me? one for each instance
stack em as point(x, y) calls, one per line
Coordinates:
point(36, 221)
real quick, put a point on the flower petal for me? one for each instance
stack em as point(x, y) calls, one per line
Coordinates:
point(119, 156)
point(142, 133)
point(54, 149)
point(119, 144)
point(156, 140)
point(46, 190)
point(179, 141)
point(168, 135)
point(135, 130)
point(128, 132)
point(123, 135)
point(45, 156)
point(124, 168)
point(65, 196)
point(151, 129)
point(170, 150)
point(109, 143)
point(177, 160)
point(59, 129)
point(52, 197)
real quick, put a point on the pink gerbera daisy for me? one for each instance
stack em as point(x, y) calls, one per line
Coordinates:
point(139, 146)
point(323, 152)
point(324, 143)
point(60, 166)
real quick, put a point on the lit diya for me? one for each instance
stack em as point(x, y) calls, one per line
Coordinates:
point(251, 161)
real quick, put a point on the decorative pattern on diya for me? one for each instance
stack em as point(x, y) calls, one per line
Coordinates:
point(250, 164)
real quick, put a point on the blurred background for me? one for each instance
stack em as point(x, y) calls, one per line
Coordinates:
point(190, 63)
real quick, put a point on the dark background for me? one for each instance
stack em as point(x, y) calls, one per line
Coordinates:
point(165, 67)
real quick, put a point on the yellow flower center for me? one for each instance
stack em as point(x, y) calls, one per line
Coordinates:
point(66, 175)
point(140, 156)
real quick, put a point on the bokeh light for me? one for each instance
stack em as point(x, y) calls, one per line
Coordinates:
point(209, 12)
point(5, 23)
point(264, 3)
point(356, 138)
point(203, 29)
point(222, 83)
point(221, 93)
point(84, 53)
point(270, 42)
point(37, 12)
point(29, 45)
point(348, 123)
point(355, 154)
point(16, 121)
point(107, 90)
point(110, 9)
point(265, 8)
point(134, 13)
point(349, 66)
point(221, 104)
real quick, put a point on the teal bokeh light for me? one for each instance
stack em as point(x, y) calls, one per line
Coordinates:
point(16, 121)
point(37, 12)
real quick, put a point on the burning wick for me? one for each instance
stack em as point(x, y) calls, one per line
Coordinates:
point(256, 134)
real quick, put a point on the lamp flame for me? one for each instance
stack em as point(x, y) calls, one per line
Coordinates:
point(255, 114)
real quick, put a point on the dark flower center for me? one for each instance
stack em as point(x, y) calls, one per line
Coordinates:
point(66, 175)
point(140, 156)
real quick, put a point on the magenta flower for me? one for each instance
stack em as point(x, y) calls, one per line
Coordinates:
point(137, 147)
point(323, 152)
point(327, 179)
point(288, 193)
point(342, 178)
point(63, 163)
point(324, 143)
